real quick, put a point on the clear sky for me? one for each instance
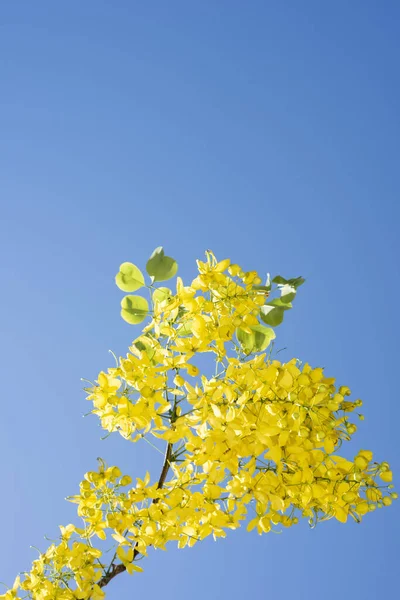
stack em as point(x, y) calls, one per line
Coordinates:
point(266, 131)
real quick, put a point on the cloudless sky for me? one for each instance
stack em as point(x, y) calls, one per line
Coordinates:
point(266, 131)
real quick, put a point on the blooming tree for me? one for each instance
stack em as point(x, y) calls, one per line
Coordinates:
point(254, 441)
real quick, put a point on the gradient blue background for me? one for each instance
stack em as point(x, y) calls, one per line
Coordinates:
point(267, 131)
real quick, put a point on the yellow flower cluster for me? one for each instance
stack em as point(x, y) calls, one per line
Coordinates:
point(256, 441)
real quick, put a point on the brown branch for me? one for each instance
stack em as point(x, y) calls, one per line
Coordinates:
point(114, 569)
point(165, 469)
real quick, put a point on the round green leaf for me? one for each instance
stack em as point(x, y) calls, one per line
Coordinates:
point(161, 267)
point(129, 278)
point(134, 309)
point(161, 294)
point(272, 315)
point(185, 329)
point(296, 281)
point(278, 302)
point(279, 279)
point(256, 341)
point(263, 336)
point(245, 339)
point(288, 293)
point(142, 344)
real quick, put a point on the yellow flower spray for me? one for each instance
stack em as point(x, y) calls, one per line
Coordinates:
point(256, 441)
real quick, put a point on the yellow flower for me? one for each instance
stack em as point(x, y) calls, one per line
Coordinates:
point(192, 370)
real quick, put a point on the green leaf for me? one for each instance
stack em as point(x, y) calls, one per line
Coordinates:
point(263, 336)
point(161, 267)
point(140, 346)
point(295, 282)
point(134, 309)
point(280, 303)
point(256, 341)
point(272, 315)
point(185, 329)
point(129, 278)
point(279, 279)
point(143, 345)
point(161, 294)
point(245, 339)
point(288, 293)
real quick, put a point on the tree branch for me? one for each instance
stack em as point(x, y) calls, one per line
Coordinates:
point(165, 469)
point(114, 569)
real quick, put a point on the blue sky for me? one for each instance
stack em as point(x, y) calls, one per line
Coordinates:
point(266, 131)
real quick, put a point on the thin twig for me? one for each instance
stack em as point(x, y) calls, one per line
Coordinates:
point(114, 569)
